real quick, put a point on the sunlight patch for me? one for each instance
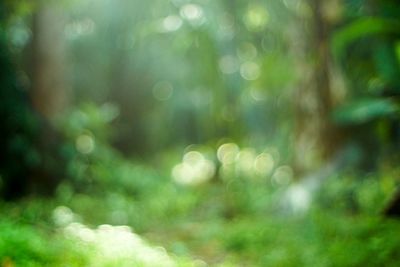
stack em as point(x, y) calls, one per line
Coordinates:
point(194, 169)
point(118, 244)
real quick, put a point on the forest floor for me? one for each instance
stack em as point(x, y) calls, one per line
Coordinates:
point(47, 232)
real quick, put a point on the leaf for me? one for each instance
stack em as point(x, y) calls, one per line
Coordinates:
point(397, 50)
point(361, 28)
point(364, 110)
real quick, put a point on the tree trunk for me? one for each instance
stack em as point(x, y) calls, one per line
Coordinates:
point(49, 95)
point(49, 91)
point(316, 138)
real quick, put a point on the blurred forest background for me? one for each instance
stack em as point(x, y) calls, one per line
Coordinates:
point(199, 133)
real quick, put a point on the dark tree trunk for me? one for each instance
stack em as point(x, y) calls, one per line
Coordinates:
point(49, 90)
point(316, 138)
point(49, 95)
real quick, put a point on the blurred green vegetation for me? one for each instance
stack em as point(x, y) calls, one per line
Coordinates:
point(199, 133)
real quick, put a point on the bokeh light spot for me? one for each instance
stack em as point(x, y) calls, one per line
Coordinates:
point(247, 51)
point(171, 23)
point(193, 13)
point(245, 161)
point(194, 169)
point(228, 64)
point(250, 71)
point(256, 18)
point(78, 28)
point(263, 164)
point(227, 153)
point(85, 144)
point(63, 216)
point(257, 94)
point(109, 111)
point(162, 91)
point(282, 176)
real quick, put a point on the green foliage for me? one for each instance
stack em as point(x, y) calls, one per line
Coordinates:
point(24, 245)
point(364, 44)
point(362, 28)
point(365, 110)
point(341, 229)
point(20, 125)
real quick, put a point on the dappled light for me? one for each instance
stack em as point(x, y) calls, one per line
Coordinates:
point(188, 133)
point(111, 243)
point(117, 244)
point(194, 169)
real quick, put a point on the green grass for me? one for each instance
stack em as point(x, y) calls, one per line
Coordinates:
point(234, 222)
point(320, 239)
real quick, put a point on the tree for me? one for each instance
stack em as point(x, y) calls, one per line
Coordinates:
point(31, 160)
point(317, 138)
